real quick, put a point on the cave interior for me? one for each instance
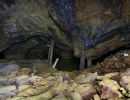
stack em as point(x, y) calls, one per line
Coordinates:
point(81, 45)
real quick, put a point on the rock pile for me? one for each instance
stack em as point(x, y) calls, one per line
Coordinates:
point(59, 86)
point(109, 80)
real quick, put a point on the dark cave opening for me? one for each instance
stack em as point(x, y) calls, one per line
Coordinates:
point(71, 64)
point(2, 55)
point(65, 63)
point(68, 64)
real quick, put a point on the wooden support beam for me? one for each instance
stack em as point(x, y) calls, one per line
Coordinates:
point(82, 60)
point(55, 63)
point(89, 62)
point(50, 53)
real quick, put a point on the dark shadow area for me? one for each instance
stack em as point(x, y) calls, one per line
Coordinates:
point(2, 55)
point(112, 53)
point(68, 64)
point(9, 2)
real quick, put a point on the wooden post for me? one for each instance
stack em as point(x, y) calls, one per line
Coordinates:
point(82, 60)
point(55, 63)
point(50, 54)
point(89, 62)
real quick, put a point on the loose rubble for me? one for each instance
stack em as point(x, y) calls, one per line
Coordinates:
point(89, 84)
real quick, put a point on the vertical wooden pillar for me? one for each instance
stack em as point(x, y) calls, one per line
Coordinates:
point(89, 62)
point(50, 53)
point(82, 60)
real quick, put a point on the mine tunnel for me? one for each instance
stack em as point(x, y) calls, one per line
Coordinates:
point(64, 49)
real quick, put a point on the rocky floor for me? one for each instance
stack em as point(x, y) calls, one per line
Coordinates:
point(108, 80)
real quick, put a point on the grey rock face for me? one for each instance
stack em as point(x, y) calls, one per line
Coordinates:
point(6, 69)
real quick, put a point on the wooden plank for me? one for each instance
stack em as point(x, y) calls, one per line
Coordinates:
point(50, 54)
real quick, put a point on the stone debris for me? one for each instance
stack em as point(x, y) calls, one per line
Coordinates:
point(56, 87)
point(110, 89)
point(6, 69)
point(89, 84)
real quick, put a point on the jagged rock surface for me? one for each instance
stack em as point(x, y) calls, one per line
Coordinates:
point(58, 85)
point(103, 26)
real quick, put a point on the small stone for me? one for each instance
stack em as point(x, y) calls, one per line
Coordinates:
point(110, 89)
point(125, 82)
point(24, 71)
point(87, 91)
point(75, 96)
point(97, 97)
point(80, 78)
point(126, 55)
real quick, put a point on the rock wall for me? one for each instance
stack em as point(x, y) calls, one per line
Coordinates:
point(98, 26)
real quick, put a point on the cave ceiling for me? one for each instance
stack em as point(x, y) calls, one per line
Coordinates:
point(95, 26)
